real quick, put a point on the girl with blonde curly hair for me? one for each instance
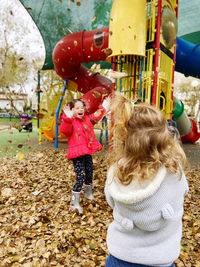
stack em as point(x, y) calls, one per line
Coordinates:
point(145, 187)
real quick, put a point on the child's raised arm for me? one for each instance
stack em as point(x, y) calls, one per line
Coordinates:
point(101, 111)
point(66, 125)
point(68, 112)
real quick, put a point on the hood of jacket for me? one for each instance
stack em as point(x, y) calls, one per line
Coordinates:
point(137, 190)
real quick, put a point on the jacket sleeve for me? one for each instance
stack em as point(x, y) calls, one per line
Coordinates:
point(186, 184)
point(96, 116)
point(66, 126)
point(109, 198)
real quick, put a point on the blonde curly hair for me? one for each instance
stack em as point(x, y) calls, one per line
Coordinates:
point(143, 140)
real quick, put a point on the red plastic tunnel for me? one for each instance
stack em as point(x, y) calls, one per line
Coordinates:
point(193, 135)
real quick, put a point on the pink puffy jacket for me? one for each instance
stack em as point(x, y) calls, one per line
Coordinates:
point(80, 134)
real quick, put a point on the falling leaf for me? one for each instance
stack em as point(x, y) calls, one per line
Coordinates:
point(20, 146)
point(117, 75)
point(9, 141)
point(78, 136)
point(69, 30)
point(158, 69)
point(96, 94)
point(40, 115)
point(19, 156)
point(94, 18)
point(17, 126)
point(107, 51)
point(44, 110)
point(63, 31)
point(78, 3)
point(57, 20)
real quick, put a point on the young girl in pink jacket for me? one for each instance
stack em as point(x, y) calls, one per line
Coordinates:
point(77, 125)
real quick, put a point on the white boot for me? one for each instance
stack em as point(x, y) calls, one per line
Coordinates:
point(75, 200)
point(88, 192)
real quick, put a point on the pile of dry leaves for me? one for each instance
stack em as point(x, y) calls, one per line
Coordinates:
point(37, 228)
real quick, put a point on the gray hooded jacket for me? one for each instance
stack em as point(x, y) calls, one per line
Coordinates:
point(147, 226)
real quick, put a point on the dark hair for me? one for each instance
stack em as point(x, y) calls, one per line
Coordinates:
point(71, 104)
point(74, 101)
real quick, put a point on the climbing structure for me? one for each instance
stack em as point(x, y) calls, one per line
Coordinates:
point(141, 41)
point(47, 113)
point(148, 58)
point(142, 46)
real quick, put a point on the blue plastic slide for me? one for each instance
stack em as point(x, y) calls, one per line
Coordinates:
point(187, 58)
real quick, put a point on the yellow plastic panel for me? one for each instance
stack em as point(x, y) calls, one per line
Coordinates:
point(165, 80)
point(48, 106)
point(151, 11)
point(148, 77)
point(127, 34)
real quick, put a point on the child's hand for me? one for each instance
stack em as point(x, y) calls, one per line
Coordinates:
point(68, 112)
point(106, 103)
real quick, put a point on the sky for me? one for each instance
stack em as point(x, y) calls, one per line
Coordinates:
point(33, 38)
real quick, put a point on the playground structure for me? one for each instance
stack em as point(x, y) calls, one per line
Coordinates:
point(141, 42)
point(143, 49)
point(48, 107)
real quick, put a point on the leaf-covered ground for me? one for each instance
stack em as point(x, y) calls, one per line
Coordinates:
point(37, 228)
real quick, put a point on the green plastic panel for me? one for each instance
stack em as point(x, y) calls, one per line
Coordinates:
point(192, 37)
point(55, 19)
point(179, 108)
point(188, 20)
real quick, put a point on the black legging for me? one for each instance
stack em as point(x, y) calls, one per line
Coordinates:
point(83, 167)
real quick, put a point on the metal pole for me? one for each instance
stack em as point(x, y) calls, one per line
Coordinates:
point(157, 52)
point(38, 95)
point(140, 92)
point(57, 114)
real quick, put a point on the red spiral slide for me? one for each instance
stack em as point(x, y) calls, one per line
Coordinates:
point(79, 47)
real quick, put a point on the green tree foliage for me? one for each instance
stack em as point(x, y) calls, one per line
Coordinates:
point(18, 60)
